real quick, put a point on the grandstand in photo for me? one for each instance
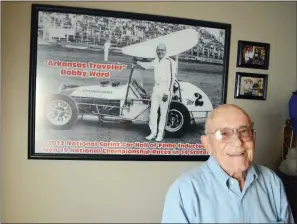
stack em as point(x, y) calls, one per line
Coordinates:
point(85, 32)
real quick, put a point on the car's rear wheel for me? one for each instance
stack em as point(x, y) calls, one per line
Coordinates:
point(61, 112)
point(178, 119)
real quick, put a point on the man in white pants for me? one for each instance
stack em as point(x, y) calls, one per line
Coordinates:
point(106, 49)
point(164, 73)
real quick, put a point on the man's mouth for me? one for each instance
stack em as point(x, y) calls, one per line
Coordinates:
point(236, 154)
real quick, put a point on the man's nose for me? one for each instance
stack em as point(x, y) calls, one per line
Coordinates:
point(236, 139)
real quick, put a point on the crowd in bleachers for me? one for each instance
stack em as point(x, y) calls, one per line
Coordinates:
point(95, 30)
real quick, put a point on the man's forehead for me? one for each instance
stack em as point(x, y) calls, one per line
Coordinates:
point(219, 124)
point(161, 47)
point(229, 118)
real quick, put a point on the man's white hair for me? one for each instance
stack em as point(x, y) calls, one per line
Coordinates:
point(161, 44)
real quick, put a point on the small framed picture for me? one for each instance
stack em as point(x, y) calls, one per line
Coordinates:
point(253, 55)
point(251, 86)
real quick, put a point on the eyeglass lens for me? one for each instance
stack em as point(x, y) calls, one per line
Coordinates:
point(245, 134)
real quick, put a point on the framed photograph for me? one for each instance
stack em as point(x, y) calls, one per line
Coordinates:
point(251, 86)
point(253, 55)
point(110, 85)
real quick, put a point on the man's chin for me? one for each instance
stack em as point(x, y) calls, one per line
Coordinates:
point(240, 160)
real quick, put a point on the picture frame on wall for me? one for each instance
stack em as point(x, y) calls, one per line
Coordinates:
point(253, 55)
point(251, 86)
point(90, 99)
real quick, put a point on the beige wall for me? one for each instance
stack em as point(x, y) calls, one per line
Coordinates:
point(80, 191)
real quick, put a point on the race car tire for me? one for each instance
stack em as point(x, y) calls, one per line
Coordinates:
point(61, 112)
point(178, 120)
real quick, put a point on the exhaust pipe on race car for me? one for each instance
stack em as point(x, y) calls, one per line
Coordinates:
point(132, 69)
point(134, 60)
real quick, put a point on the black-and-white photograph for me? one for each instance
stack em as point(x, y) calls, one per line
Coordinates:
point(115, 85)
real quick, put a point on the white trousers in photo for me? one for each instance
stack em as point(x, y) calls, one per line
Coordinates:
point(156, 103)
point(106, 52)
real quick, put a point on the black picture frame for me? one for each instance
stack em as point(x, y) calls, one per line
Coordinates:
point(71, 37)
point(251, 86)
point(262, 50)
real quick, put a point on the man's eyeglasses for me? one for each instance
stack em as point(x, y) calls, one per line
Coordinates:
point(246, 134)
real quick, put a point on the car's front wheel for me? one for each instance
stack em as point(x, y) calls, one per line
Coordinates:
point(61, 112)
point(178, 119)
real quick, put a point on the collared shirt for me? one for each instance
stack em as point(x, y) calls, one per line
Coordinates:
point(164, 72)
point(208, 195)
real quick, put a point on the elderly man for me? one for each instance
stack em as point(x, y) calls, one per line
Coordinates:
point(164, 74)
point(228, 188)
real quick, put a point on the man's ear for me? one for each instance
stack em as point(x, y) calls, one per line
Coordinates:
point(205, 142)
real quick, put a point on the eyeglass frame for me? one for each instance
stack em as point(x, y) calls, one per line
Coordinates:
point(217, 133)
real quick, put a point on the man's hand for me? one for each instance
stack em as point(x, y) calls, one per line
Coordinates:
point(165, 98)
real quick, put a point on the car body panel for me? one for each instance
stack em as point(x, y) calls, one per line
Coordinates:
point(136, 106)
point(174, 45)
point(100, 92)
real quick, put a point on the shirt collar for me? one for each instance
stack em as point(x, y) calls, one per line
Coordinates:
point(251, 173)
point(217, 171)
point(163, 59)
point(223, 177)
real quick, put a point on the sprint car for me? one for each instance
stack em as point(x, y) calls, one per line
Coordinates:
point(126, 103)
